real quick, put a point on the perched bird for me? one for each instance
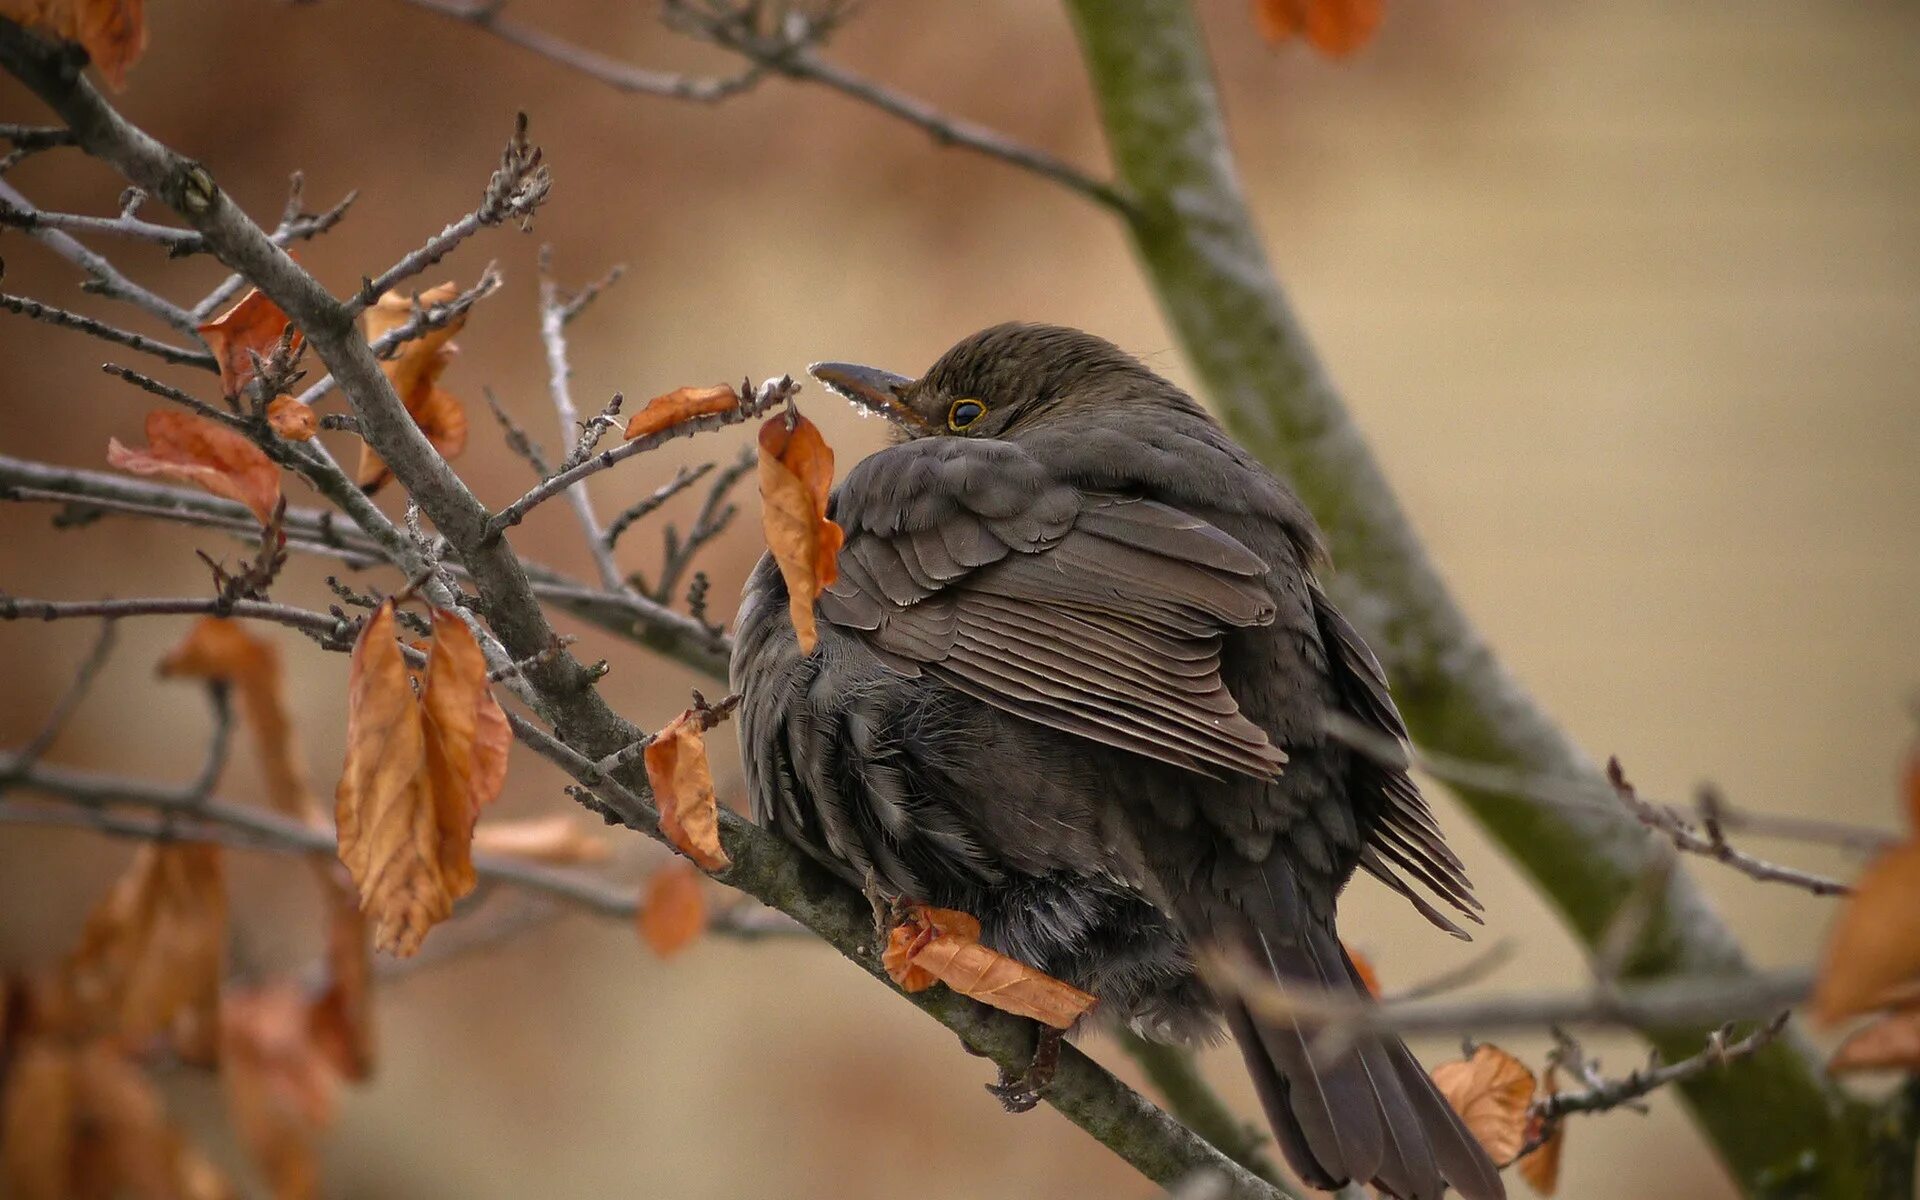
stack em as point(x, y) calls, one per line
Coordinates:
point(1073, 679)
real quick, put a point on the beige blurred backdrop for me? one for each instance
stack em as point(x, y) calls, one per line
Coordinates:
point(1627, 297)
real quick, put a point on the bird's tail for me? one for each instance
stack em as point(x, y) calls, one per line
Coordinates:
point(1369, 1113)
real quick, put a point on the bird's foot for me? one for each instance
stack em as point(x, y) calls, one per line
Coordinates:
point(1022, 1092)
point(888, 910)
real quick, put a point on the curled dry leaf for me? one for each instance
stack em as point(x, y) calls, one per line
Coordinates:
point(1541, 1165)
point(130, 1147)
point(221, 649)
point(943, 945)
point(467, 737)
point(194, 450)
point(292, 420)
point(151, 956)
point(673, 909)
point(1874, 947)
point(681, 404)
point(1890, 1043)
point(796, 475)
point(1491, 1091)
point(249, 329)
point(415, 372)
point(39, 1112)
point(1335, 28)
point(280, 1087)
point(340, 1020)
point(683, 788)
point(561, 839)
point(114, 32)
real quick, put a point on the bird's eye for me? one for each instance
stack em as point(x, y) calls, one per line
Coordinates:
point(964, 413)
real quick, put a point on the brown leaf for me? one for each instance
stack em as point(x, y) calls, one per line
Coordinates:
point(942, 944)
point(467, 737)
point(251, 327)
point(561, 839)
point(1363, 966)
point(390, 832)
point(414, 372)
point(681, 404)
point(1336, 28)
point(683, 788)
point(1491, 1092)
point(1874, 946)
point(1891, 1042)
point(796, 474)
point(130, 1139)
point(221, 649)
point(1910, 789)
point(280, 1087)
point(340, 1021)
point(39, 1115)
point(151, 956)
point(114, 32)
point(292, 420)
point(194, 450)
point(1541, 1166)
point(673, 909)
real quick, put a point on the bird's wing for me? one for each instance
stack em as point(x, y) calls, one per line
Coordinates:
point(1099, 615)
point(1405, 841)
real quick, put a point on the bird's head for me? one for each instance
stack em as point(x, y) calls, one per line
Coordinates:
point(1002, 381)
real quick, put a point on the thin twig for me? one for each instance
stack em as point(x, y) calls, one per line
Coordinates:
point(560, 389)
point(178, 355)
point(295, 225)
point(103, 277)
point(645, 506)
point(1712, 843)
point(327, 627)
point(424, 319)
point(70, 699)
point(187, 400)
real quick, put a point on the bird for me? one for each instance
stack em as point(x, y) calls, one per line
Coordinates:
point(1074, 678)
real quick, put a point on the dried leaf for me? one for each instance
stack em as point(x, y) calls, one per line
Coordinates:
point(681, 404)
point(292, 420)
point(561, 839)
point(129, 1138)
point(251, 327)
point(1910, 788)
point(1363, 967)
point(1890, 1043)
point(673, 909)
point(114, 32)
point(194, 450)
point(340, 1021)
point(796, 474)
point(1541, 1165)
point(414, 372)
point(942, 944)
point(221, 649)
point(1491, 1092)
point(1336, 28)
point(151, 956)
point(280, 1087)
point(39, 1121)
point(467, 737)
point(683, 788)
point(389, 831)
point(1875, 943)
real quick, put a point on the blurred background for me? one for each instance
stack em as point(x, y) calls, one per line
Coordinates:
point(1626, 296)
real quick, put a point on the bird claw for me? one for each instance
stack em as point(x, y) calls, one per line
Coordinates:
point(1022, 1092)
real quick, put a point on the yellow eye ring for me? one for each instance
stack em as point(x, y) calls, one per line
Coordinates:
point(963, 413)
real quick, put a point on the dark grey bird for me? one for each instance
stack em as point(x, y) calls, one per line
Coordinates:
point(1073, 679)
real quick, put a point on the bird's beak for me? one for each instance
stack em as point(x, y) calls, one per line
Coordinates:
point(871, 388)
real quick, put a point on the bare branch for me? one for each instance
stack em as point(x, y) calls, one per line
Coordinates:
point(167, 391)
point(1713, 842)
point(424, 319)
point(103, 277)
point(70, 699)
point(295, 225)
point(553, 336)
point(110, 333)
point(330, 629)
point(1603, 1094)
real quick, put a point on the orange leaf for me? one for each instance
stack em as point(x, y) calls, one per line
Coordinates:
point(561, 839)
point(683, 788)
point(681, 404)
point(466, 740)
point(221, 649)
point(673, 909)
point(131, 1145)
point(1875, 943)
point(194, 450)
point(1363, 966)
point(292, 420)
point(1491, 1092)
point(114, 32)
point(389, 831)
point(1541, 1165)
point(415, 372)
point(340, 1021)
point(280, 1087)
point(39, 1121)
point(1890, 1043)
point(151, 956)
point(943, 944)
point(1334, 27)
point(796, 474)
point(251, 327)
point(1910, 788)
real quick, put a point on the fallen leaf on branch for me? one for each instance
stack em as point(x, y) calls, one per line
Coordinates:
point(280, 1088)
point(340, 1021)
point(467, 737)
point(796, 475)
point(673, 909)
point(561, 839)
point(114, 32)
point(194, 450)
point(1363, 967)
point(1491, 1091)
point(1890, 1043)
point(415, 372)
point(153, 950)
point(683, 788)
point(292, 420)
point(681, 404)
point(1336, 28)
point(250, 328)
point(221, 649)
point(943, 945)
point(1541, 1165)
point(129, 1145)
point(39, 1112)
